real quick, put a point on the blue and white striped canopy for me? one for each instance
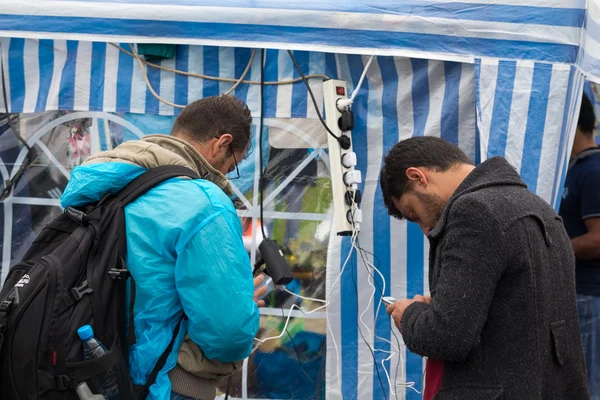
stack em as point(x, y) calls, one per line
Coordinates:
point(543, 30)
point(495, 77)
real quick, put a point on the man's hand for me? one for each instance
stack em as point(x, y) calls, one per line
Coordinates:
point(397, 309)
point(258, 292)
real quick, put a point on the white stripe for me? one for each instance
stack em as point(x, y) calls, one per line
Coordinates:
point(301, 18)
point(404, 99)
point(60, 57)
point(196, 66)
point(138, 89)
point(316, 64)
point(488, 77)
point(399, 289)
point(466, 110)
point(538, 3)
point(399, 52)
point(167, 88)
point(83, 72)
point(552, 131)
point(365, 289)
point(285, 70)
point(226, 67)
point(31, 66)
point(518, 113)
point(5, 44)
point(437, 82)
point(111, 68)
point(425, 265)
point(333, 362)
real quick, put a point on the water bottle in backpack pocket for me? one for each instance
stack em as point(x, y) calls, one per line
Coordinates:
point(105, 384)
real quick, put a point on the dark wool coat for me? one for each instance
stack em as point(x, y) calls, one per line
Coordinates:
point(503, 316)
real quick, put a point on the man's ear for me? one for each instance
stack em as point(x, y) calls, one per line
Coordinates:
point(416, 176)
point(221, 144)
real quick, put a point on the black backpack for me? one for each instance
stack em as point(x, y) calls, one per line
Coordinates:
point(74, 274)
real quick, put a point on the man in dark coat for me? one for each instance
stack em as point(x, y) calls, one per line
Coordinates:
point(501, 322)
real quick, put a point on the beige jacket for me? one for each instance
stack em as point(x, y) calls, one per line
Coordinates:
point(195, 375)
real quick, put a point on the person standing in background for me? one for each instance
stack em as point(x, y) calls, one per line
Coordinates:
point(580, 210)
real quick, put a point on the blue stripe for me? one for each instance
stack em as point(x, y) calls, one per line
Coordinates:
point(365, 39)
point(349, 324)
point(211, 68)
point(360, 147)
point(502, 105)
point(97, 76)
point(449, 128)
point(331, 66)
point(242, 57)
point(16, 75)
point(455, 10)
point(46, 61)
point(152, 106)
point(420, 94)
point(299, 92)
point(181, 81)
point(271, 74)
point(415, 261)
point(381, 219)
point(536, 122)
point(66, 94)
point(124, 78)
point(477, 145)
point(102, 134)
point(559, 171)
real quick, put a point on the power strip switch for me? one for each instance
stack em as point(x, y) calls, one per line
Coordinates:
point(344, 176)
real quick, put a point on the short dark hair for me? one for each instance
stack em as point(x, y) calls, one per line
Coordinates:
point(211, 117)
point(587, 118)
point(427, 152)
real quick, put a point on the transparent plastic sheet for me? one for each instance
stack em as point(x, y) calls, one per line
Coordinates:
point(296, 216)
point(59, 141)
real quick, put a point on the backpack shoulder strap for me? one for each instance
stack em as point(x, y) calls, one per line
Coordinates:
point(151, 178)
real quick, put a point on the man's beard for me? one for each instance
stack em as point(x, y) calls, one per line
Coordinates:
point(434, 207)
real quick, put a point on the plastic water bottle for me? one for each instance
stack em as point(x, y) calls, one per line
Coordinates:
point(84, 393)
point(93, 348)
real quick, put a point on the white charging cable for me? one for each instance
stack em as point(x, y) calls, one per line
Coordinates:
point(344, 104)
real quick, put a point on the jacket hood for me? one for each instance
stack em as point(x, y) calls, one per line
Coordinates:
point(495, 171)
point(110, 171)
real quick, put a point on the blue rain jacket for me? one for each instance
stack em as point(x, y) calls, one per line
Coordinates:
point(186, 254)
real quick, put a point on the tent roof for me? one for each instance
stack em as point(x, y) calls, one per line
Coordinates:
point(548, 31)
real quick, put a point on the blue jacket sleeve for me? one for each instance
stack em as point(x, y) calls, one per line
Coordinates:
point(214, 281)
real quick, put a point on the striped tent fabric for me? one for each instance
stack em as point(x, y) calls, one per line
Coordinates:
point(523, 110)
point(493, 77)
point(544, 30)
point(589, 52)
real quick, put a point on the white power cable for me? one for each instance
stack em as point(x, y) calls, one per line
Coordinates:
point(344, 104)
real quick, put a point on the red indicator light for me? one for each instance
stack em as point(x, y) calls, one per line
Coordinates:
point(340, 91)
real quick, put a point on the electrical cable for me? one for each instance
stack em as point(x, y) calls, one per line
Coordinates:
point(297, 352)
point(243, 74)
point(376, 263)
point(405, 385)
point(261, 179)
point(312, 96)
point(363, 336)
point(347, 103)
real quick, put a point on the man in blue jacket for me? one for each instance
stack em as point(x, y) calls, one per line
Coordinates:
point(184, 248)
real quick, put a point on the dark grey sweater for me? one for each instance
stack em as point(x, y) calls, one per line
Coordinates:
point(503, 316)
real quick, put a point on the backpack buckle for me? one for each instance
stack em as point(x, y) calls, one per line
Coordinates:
point(64, 383)
point(118, 273)
point(79, 291)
